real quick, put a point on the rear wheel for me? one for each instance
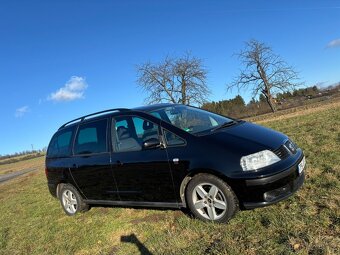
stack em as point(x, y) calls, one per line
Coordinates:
point(71, 201)
point(209, 198)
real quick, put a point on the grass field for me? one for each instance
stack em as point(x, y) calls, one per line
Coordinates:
point(15, 159)
point(32, 222)
point(22, 164)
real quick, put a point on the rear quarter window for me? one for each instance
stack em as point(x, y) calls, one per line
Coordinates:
point(61, 143)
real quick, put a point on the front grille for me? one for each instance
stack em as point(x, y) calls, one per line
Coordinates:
point(285, 149)
point(282, 152)
point(292, 147)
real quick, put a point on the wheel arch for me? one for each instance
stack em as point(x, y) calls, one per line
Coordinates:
point(67, 178)
point(59, 187)
point(195, 172)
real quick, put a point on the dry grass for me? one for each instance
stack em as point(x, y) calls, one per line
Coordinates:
point(297, 111)
point(23, 164)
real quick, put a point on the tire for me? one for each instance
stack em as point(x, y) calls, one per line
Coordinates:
point(71, 201)
point(211, 199)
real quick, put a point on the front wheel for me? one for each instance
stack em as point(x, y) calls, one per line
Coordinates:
point(209, 198)
point(71, 201)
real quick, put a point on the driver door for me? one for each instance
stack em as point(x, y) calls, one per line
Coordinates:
point(142, 174)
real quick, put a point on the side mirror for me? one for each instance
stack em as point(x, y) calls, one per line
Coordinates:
point(151, 143)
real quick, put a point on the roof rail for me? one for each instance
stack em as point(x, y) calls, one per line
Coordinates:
point(92, 114)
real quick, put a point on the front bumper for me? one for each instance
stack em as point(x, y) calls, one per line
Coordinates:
point(278, 194)
point(259, 192)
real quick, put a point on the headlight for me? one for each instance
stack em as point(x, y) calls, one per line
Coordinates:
point(258, 160)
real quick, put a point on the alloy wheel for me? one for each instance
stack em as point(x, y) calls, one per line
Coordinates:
point(69, 201)
point(209, 201)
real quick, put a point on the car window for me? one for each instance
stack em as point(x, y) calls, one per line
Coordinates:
point(91, 138)
point(145, 129)
point(156, 114)
point(138, 123)
point(88, 135)
point(172, 139)
point(190, 119)
point(60, 145)
point(122, 123)
point(130, 133)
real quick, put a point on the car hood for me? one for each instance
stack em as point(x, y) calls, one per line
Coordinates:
point(248, 134)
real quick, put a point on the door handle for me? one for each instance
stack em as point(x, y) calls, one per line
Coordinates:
point(119, 163)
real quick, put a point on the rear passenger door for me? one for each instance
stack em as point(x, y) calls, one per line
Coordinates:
point(91, 167)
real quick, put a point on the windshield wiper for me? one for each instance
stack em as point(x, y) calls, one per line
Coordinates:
point(224, 125)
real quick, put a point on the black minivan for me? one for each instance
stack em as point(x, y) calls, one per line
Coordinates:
point(171, 155)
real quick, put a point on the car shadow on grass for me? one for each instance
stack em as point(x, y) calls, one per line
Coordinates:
point(132, 238)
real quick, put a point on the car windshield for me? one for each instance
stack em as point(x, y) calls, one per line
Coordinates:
point(190, 119)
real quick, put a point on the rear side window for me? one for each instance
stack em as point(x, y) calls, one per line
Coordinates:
point(60, 145)
point(91, 138)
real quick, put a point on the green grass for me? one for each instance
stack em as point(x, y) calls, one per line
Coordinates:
point(32, 222)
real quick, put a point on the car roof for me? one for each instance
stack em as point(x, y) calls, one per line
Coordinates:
point(111, 112)
point(149, 108)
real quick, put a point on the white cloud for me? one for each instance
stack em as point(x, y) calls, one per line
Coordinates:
point(334, 43)
point(73, 89)
point(21, 111)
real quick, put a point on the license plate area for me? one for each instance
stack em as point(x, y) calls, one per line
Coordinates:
point(302, 165)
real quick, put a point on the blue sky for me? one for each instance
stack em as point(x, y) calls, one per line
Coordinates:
point(63, 59)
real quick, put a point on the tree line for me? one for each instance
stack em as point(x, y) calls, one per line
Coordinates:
point(237, 107)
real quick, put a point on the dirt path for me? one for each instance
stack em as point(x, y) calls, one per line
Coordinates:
point(7, 177)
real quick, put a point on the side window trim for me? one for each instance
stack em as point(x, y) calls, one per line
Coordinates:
point(95, 153)
point(166, 142)
point(74, 140)
point(113, 136)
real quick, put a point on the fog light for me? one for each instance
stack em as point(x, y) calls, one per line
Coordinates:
point(273, 194)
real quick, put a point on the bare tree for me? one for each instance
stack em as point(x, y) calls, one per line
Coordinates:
point(176, 80)
point(264, 72)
